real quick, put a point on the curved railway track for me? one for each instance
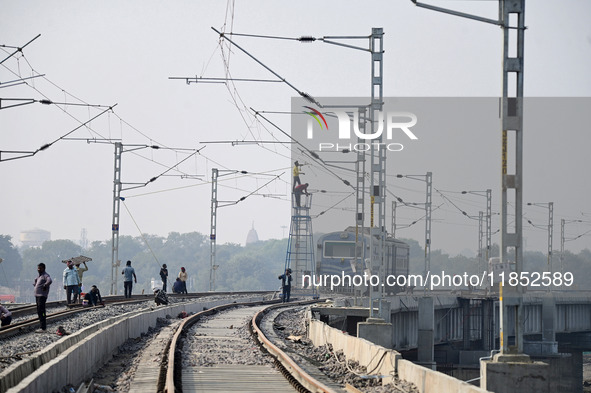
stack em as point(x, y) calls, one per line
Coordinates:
point(233, 373)
point(170, 364)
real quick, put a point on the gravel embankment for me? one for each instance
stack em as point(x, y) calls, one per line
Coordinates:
point(334, 365)
point(26, 344)
point(239, 348)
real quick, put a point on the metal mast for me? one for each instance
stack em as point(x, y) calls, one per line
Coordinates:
point(550, 234)
point(429, 180)
point(512, 19)
point(115, 226)
point(511, 12)
point(360, 202)
point(480, 256)
point(393, 230)
point(488, 223)
point(213, 223)
point(378, 166)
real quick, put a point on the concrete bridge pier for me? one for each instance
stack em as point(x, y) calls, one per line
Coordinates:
point(425, 350)
point(509, 373)
point(488, 324)
point(378, 330)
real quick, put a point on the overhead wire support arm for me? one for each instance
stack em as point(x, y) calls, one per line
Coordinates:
point(251, 193)
point(26, 101)
point(19, 81)
point(200, 79)
point(458, 13)
point(20, 49)
point(305, 38)
point(301, 93)
point(153, 179)
point(22, 101)
point(236, 143)
point(327, 40)
point(47, 145)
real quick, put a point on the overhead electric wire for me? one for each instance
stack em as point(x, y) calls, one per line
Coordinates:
point(312, 155)
point(84, 103)
point(47, 145)
point(244, 110)
point(333, 206)
point(141, 233)
point(454, 205)
point(301, 93)
point(163, 173)
point(251, 193)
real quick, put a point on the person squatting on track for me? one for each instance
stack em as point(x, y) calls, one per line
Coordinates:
point(164, 276)
point(5, 316)
point(177, 287)
point(93, 297)
point(128, 274)
point(71, 282)
point(286, 284)
point(42, 283)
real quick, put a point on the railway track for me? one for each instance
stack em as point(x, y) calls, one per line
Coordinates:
point(25, 317)
point(221, 346)
point(210, 353)
point(28, 323)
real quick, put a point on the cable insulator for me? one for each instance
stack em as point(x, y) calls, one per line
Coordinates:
point(315, 155)
point(306, 38)
point(46, 102)
point(307, 97)
point(45, 146)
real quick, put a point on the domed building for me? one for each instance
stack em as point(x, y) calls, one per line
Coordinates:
point(252, 236)
point(34, 237)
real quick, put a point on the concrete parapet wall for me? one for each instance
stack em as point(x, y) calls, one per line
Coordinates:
point(74, 358)
point(386, 361)
point(427, 380)
point(377, 359)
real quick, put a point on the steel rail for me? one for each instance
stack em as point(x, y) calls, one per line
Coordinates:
point(286, 362)
point(172, 362)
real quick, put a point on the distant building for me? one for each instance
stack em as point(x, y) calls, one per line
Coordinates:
point(252, 236)
point(34, 237)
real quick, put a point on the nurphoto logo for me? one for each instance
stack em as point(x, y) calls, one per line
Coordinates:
point(393, 123)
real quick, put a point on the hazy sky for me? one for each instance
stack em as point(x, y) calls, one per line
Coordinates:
point(112, 52)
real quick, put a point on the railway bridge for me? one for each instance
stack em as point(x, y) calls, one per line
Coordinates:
point(452, 331)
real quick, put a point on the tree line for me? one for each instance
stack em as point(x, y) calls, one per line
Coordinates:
point(241, 268)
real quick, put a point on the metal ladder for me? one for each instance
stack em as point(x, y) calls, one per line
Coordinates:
point(300, 246)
